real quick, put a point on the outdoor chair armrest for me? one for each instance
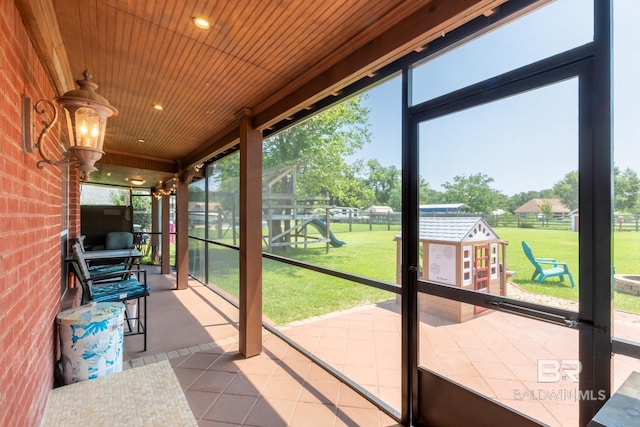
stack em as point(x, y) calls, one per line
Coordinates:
point(555, 264)
point(545, 260)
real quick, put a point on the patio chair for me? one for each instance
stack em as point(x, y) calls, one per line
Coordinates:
point(102, 268)
point(558, 268)
point(114, 287)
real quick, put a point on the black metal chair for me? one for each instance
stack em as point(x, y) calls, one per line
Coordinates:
point(124, 286)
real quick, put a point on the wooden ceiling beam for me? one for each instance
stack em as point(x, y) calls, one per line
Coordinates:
point(41, 23)
point(139, 162)
point(212, 147)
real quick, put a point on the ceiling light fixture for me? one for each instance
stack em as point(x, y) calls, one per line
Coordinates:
point(158, 107)
point(200, 22)
point(136, 181)
point(86, 114)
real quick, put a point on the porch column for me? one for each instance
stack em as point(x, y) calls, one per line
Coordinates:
point(182, 235)
point(250, 236)
point(165, 265)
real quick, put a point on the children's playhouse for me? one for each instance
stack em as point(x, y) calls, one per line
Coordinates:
point(458, 251)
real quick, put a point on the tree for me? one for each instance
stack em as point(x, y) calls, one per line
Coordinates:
point(567, 190)
point(383, 181)
point(318, 149)
point(546, 208)
point(428, 195)
point(626, 186)
point(474, 190)
point(141, 206)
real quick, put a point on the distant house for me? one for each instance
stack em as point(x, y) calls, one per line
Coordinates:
point(533, 206)
point(444, 208)
point(379, 209)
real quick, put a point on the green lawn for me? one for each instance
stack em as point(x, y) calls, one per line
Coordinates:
point(563, 246)
point(292, 294)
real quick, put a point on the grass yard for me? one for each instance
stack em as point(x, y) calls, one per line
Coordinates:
point(293, 294)
point(563, 246)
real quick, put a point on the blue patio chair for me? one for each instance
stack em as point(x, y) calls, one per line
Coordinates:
point(120, 266)
point(558, 268)
point(116, 287)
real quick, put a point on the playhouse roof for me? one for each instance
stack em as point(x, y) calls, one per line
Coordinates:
point(455, 229)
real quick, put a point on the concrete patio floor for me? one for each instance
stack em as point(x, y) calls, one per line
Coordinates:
point(495, 354)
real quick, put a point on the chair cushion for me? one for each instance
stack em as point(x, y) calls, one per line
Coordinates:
point(119, 240)
point(106, 269)
point(111, 292)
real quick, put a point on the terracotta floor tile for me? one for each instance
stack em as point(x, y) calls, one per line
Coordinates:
point(455, 368)
point(230, 409)
point(247, 385)
point(186, 376)
point(228, 363)
point(270, 413)
point(200, 401)
point(317, 373)
point(261, 365)
point(363, 375)
point(199, 360)
point(352, 417)
point(391, 396)
point(282, 388)
point(505, 390)
point(294, 368)
point(493, 370)
point(349, 397)
point(213, 381)
point(330, 343)
point(325, 392)
point(306, 414)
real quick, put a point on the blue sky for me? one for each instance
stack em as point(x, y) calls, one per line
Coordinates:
point(527, 142)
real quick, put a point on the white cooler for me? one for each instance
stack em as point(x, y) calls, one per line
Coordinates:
point(91, 340)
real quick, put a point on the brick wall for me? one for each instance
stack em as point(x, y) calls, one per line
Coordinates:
point(30, 227)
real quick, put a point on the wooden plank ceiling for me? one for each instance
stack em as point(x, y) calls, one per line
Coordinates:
point(258, 54)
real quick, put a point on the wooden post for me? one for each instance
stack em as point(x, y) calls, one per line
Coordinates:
point(165, 243)
point(182, 235)
point(250, 236)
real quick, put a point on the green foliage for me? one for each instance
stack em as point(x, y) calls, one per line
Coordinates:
point(141, 205)
point(319, 147)
point(474, 190)
point(567, 190)
point(386, 184)
point(626, 187)
point(545, 207)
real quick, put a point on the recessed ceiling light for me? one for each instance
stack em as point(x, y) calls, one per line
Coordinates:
point(136, 181)
point(158, 107)
point(201, 22)
point(140, 140)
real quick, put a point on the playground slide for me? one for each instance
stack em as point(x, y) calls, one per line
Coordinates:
point(322, 228)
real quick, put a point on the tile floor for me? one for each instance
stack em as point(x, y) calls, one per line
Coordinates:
point(495, 354)
point(196, 331)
